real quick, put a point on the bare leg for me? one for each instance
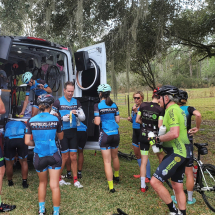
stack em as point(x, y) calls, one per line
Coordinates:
point(34, 111)
point(115, 158)
point(180, 195)
point(54, 185)
point(24, 165)
point(106, 154)
point(189, 178)
point(160, 156)
point(43, 177)
point(2, 171)
point(68, 164)
point(144, 160)
point(80, 159)
point(9, 169)
point(73, 158)
point(65, 157)
point(137, 152)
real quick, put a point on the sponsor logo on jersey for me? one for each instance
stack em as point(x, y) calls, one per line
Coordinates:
point(177, 159)
point(67, 107)
point(108, 110)
point(44, 124)
point(165, 172)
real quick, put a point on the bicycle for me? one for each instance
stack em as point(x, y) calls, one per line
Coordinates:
point(205, 179)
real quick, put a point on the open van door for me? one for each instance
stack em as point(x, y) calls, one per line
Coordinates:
point(87, 81)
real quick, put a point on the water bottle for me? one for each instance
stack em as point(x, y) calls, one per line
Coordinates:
point(154, 147)
point(162, 131)
point(28, 110)
point(195, 168)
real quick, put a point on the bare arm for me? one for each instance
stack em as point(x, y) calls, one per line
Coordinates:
point(138, 119)
point(160, 122)
point(28, 140)
point(48, 90)
point(2, 107)
point(171, 135)
point(60, 135)
point(198, 118)
point(24, 105)
point(117, 119)
point(97, 120)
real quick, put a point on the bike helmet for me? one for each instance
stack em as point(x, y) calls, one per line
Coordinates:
point(155, 93)
point(168, 90)
point(182, 95)
point(104, 88)
point(26, 77)
point(45, 99)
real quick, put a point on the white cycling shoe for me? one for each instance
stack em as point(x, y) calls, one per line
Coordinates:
point(62, 182)
point(173, 213)
point(78, 184)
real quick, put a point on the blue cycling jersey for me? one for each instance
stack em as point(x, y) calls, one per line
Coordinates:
point(81, 127)
point(44, 127)
point(134, 124)
point(107, 114)
point(36, 88)
point(63, 107)
point(15, 129)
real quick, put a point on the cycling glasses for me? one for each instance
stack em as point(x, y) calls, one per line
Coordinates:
point(136, 98)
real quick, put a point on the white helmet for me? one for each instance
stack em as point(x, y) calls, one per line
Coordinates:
point(26, 77)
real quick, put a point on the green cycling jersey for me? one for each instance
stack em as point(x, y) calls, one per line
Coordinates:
point(175, 116)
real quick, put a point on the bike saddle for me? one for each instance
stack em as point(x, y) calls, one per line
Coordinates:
point(198, 145)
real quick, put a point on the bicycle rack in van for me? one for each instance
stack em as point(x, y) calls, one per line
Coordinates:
point(53, 63)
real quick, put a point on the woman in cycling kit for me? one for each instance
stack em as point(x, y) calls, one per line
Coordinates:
point(138, 99)
point(39, 86)
point(44, 127)
point(107, 116)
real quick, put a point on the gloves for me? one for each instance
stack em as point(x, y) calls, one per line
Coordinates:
point(65, 118)
point(152, 140)
point(80, 114)
point(53, 111)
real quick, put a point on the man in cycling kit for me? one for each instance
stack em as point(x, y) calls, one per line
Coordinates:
point(173, 164)
point(189, 111)
point(64, 106)
point(38, 86)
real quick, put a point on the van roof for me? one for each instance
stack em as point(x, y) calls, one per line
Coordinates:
point(37, 41)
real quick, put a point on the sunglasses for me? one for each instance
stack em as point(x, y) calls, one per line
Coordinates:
point(136, 98)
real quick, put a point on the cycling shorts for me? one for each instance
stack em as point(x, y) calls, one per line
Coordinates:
point(13, 147)
point(42, 164)
point(108, 141)
point(1, 158)
point(69, 142)
point(34, 103)
point(136, 137)
point(144, 143)
point(81, 139)
point(172, 166)
point(189, 148)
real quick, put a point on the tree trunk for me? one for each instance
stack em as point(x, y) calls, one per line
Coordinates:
point(190, 64)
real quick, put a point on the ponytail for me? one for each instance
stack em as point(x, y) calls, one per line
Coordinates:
point(42, 107)
point(108, 100)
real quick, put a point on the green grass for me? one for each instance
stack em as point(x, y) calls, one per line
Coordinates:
point(94, 198)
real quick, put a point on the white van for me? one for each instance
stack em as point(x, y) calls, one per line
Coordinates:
point(53, 63)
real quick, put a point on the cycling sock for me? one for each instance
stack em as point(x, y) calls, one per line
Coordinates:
point(68, 173)
point(110, 184)
point(79, 171)
point(148, 170)
point(75, 179)
point(139, 162)
point(116, 173)
point(143, 184)
point(172, 207)
point(42, 207)
point(190, 195)
point(24, 181)
point(56, 210)
point(183, 212)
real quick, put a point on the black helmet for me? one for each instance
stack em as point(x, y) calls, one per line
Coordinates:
point(182, 95)
point(168, 90)
point(45, 99)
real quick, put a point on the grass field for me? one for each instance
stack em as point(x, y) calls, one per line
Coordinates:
point(94, 198)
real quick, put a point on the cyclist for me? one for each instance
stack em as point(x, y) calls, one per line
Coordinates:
point(3, 207)
point(14, 144)
point(189, 111)
point(44, 127)
point(107, 116)
point(150, 118)
point(174, 140)
point(39, 86)
point(138, 99)
point(63, 106)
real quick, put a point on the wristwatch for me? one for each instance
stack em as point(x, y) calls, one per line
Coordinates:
point(158, 140)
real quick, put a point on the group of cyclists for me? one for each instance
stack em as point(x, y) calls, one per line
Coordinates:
point(57, 124)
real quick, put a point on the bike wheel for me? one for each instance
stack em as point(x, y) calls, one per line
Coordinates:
point(207, 185)
point(53, 78)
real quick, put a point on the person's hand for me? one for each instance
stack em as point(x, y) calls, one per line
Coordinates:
point(55, 114)
point(193, 131)
point(41, 86)
point(66, 118)
point(129, 119)
point(22, 113)
point(74, 112)
point(135, 108)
